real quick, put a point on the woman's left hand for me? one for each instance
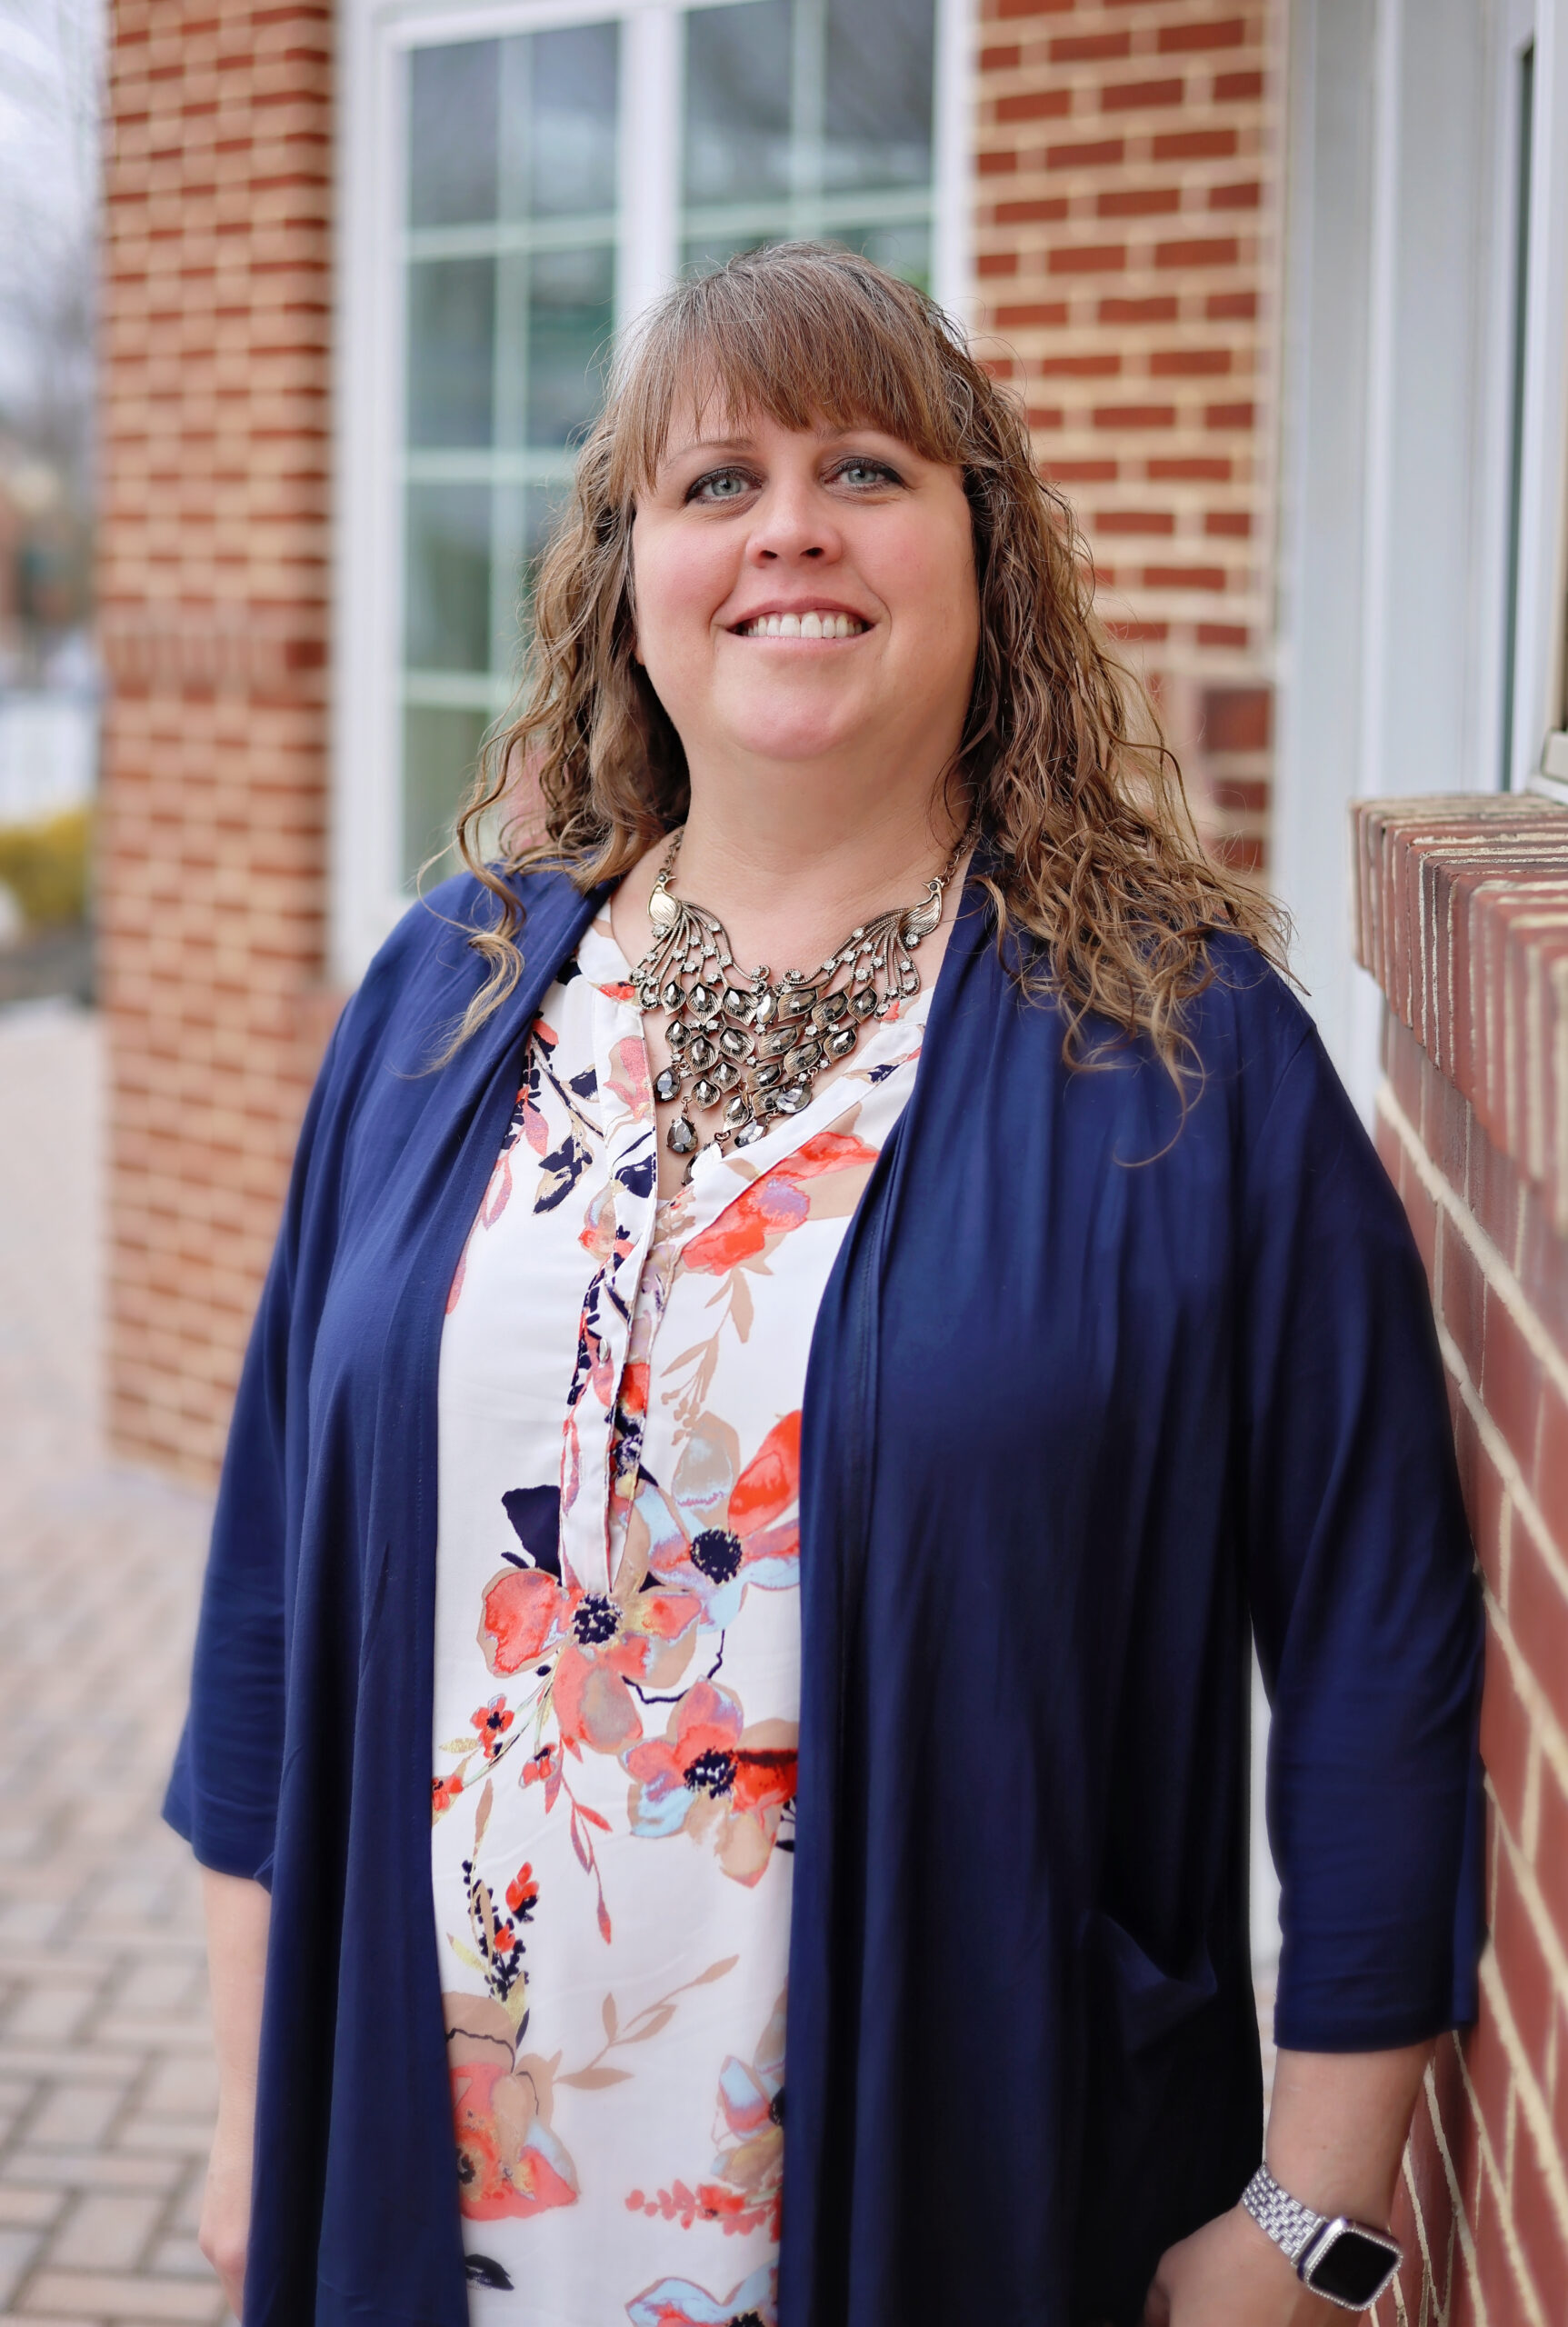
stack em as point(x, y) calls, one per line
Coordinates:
point(1228, 2274)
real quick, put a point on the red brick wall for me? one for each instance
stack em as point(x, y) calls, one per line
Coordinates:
point(213, 586)
point(1463, 909)
point(1128, 180)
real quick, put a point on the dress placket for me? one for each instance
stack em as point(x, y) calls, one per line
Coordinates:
point(625, 1213)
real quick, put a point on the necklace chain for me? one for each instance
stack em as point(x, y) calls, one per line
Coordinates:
point(753, 1048)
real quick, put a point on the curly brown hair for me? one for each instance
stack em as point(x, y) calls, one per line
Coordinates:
point(1062, 762)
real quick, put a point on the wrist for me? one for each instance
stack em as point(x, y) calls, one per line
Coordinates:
point(1341, 2256)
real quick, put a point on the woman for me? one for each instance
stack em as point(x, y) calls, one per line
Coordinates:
point(803, 1439)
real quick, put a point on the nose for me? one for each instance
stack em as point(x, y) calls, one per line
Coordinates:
point(794, 525)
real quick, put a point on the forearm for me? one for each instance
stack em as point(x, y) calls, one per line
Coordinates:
point(238, 1915)
point(1336, 2134)
point(1337, 2127)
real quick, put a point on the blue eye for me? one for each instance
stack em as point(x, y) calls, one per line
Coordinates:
point(720, 485)
point(863, 471)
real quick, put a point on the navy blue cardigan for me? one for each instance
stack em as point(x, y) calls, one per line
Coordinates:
point(1093, 1386)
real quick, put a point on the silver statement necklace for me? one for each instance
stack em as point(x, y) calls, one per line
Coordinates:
point(749, 1047)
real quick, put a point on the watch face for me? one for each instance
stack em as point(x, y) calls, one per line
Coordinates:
point(1352, 2269)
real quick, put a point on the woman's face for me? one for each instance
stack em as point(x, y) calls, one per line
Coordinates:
point(806, 595)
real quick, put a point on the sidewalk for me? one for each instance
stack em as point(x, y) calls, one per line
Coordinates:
point(105, 2072)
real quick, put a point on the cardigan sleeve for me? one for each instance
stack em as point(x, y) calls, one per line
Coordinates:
point(223, 1790)
point(1364, 1600)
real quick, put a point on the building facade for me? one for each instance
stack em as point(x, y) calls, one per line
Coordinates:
point(1284, 288)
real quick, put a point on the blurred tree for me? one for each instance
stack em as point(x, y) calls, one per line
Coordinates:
point(51, 75)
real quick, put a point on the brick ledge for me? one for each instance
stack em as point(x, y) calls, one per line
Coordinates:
point(1460, 907)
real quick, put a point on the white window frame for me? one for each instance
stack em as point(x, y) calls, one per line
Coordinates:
point(367, 894)
point(1540, 679)
point(1398, 374)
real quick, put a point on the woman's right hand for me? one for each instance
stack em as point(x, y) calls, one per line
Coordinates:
point(238, 1913)
point(224, 2233)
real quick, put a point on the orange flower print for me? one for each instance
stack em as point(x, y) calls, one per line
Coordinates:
point(628, 1075)
point(493, 1720)
point(602, 1646)
point(710, 1778)
point(778, 1202)
point(509, 2161)
point(721, 1528)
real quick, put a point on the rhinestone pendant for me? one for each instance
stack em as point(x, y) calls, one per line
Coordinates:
point(749, 1133)
point(681, 1139)
point(700, 1052)
point(667, 1086)
point(674, 993)
point(840, 1045)
point(705, 1093)
point(792, 1098)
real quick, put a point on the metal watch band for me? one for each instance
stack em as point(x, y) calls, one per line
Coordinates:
point(1281, 2217)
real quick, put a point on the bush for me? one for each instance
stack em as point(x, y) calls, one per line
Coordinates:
point(45, 866)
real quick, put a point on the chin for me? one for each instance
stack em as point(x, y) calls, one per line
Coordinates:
point(796, 730)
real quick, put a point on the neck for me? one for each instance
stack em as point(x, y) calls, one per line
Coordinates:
point(790, 871)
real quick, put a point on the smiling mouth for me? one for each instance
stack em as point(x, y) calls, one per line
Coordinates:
point(815, 622)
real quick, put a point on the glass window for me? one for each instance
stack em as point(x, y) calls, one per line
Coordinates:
point(790, 117)
point(511, 224)
point(808, 117)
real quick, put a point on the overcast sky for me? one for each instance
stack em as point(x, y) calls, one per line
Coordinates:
point(50, 65)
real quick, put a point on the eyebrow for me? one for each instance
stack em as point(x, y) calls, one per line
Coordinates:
point(749, 443)
point(713, 445)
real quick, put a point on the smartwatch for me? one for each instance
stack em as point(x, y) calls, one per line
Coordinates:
point(1345, 2261)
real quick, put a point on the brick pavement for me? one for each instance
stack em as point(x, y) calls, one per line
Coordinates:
point(105, 2070)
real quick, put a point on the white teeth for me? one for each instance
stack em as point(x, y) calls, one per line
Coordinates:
point(811, 624)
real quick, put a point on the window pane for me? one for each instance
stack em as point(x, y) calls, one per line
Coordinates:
point(572, 120)
point(440, 748)
point(903, 250)
point(737, 141)
point(452, 134)
point(877, 92)
point(706, 254)
point(542, 505)
point(446, 624)
point(450, 350)
point(570, 308)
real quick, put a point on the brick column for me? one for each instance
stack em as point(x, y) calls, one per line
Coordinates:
point(1462, 919)
point(1129, 176)
point(213, 590)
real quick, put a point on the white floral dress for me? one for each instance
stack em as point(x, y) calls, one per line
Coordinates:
point(617, 1673)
